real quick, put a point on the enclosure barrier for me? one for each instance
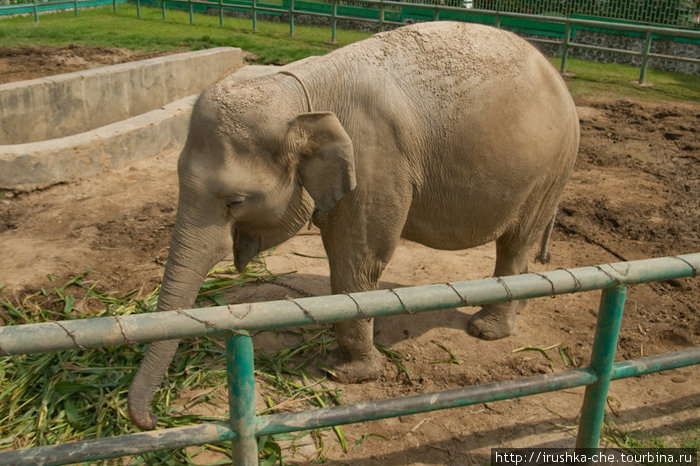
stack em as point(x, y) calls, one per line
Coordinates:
point(37, 6)
point(385, 13)
point(236, 321)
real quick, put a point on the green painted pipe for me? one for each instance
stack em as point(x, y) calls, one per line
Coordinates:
point(565, 48)
point(657, 363)
point(241, 398)
point(254, 5)
point(612, 304)
point(168, 439)
point(114, 447)
point(149, 327)
point(334, 22)
point(414, 404)
point(645, 58)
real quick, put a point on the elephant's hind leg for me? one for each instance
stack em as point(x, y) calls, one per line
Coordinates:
point(497, 320)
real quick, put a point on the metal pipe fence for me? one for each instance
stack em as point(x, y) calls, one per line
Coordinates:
point(236, 321)
point(680, 13)
point(393, 13)
point(47, 6)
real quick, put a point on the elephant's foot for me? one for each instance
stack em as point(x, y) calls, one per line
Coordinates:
point(349, 369)
point(495, 321)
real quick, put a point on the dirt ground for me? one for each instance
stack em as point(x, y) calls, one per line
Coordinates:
point(635, 193)
point(19, 63)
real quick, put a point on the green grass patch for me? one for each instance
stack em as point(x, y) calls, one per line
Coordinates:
point(628, 440)
point(272, 43)
point(46, 399)
point(588, 79)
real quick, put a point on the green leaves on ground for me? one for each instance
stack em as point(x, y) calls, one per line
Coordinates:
point(53, 398)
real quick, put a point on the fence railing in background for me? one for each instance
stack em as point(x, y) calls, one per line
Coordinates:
point(669, 13)
point(672, 13)
point(554, 30)
point(36, 7)
point(236, 320)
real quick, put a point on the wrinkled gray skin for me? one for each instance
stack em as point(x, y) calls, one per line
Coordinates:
point(448, 134)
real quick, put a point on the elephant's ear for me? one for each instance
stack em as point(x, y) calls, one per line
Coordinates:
point(324, 155)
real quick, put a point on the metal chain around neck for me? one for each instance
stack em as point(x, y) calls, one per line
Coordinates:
point(306, 92)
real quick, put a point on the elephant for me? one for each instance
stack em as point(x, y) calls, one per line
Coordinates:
point(448, 134)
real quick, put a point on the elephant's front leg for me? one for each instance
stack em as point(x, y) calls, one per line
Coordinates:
point(356, 359)
point(356, 263)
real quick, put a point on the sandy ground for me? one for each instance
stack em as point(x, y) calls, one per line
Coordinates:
point(635, 193)
point(18, 63)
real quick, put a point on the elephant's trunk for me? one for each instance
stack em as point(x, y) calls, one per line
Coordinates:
point(193, 251)
point(147, 380)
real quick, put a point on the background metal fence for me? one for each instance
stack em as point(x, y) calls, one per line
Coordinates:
point(675, 13)
point(557, 30)
point(236, 320)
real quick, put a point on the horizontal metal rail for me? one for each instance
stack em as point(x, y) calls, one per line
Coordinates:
point(244, 426)
point(179, 437)
point(651, 32)
point(149, 327)
point(53, 5)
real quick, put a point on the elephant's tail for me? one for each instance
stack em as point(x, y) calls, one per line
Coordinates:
point(544, 256)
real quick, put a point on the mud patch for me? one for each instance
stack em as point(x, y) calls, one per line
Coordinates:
point(634, 194)
point(20, 63)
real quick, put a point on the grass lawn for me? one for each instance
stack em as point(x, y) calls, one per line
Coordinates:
point(592, 79)
point(272, 44)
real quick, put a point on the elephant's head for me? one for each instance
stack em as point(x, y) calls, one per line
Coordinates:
point(252, 172)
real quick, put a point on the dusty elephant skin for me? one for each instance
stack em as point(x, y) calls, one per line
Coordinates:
point(448, 134)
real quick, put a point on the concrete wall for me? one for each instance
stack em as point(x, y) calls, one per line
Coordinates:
point(73, 103)
point(24, 167)
point(127, 138)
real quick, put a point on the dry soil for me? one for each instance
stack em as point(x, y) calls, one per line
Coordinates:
point(635, 193)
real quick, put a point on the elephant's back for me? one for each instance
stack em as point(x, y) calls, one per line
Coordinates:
point(448, 54)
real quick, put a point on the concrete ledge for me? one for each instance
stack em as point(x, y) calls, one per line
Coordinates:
point(33, 165)
point(72, 103)
point(40, 164)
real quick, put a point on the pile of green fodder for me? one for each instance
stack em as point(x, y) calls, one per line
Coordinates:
point(52, 398)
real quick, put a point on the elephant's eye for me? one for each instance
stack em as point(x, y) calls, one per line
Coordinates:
point(235, 201)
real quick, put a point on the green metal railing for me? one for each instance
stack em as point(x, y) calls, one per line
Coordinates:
point(45, 6)
point(236, 321)
point(673, 13)
point(549, 27)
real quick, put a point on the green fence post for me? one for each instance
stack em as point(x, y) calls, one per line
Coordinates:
point(114, 5)
point(255, 16)
point(75, 7)
point(138, 9)
point(565, 47)
point(36, 12)
point(612, 303)
point(221, 13)
point(162, 5)
point(241, 385)
point(497, 22)
point(334, 21)
point(191, 12)
point(381, 15)
point(645, 58)
point(291, 17)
